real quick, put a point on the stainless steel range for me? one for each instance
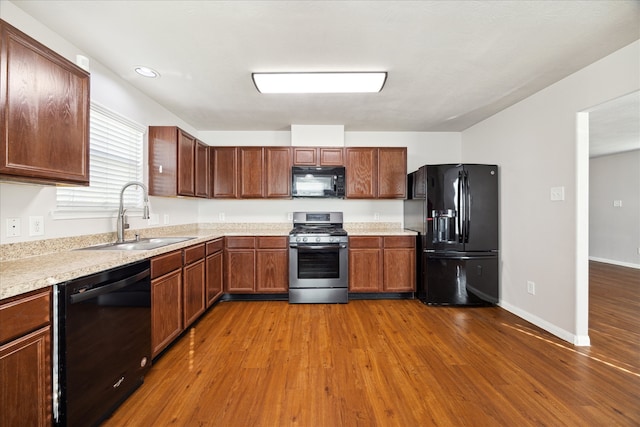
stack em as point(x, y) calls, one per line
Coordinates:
point(318, 258)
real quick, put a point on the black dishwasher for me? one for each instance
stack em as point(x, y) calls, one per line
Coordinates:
point(102, 342)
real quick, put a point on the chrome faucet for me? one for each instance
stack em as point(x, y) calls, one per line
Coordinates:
point(122, 223)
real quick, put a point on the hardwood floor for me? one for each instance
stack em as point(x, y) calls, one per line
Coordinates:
point(396, 363)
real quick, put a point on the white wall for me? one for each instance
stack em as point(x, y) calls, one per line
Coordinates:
point(534, 142)
point(24, 200)
point(614, 232)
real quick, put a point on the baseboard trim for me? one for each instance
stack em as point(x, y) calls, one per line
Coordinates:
point(612, 261)
point(577, 340)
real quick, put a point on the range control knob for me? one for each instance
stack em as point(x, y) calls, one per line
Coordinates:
point(317, 239)
point(304, 239)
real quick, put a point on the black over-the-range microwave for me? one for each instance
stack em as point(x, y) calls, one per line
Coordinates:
point(317, 181)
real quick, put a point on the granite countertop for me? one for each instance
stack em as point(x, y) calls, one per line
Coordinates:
point(46, 263)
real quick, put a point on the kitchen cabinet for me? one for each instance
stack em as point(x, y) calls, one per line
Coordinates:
point(193, 284)
point(201, 179)
point(44, 119)
point(166, 300)
point(382, 264)
point(239, 264)
point(250, 172)
point(399, 264)
point(272, 264)
point(177, 162)
point(25, 360)
point(277, 172)
point(376, 173)
point(365, 263)
point(256, 264)
point(223, 172)
point(318, 156)
point(214, 271)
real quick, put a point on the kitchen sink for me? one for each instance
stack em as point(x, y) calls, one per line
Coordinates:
point(139, 245)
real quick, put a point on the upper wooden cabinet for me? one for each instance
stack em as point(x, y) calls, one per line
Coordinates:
point(318, 156)
point(250, 172)
point(44, 119)
point(223, 171)
point(178, 163)
point(376, 173)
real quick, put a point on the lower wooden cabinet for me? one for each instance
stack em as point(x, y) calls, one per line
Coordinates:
point(25, 360)
point(166, 300)
point(272, 264)
point(256, 264)
point(214, 271)
point(193, 283)
point(382, 264)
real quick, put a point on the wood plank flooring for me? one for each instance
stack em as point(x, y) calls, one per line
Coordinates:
point(396, 363)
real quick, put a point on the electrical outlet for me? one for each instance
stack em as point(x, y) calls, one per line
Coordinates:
point(617, 203)
point(290, 216)
point(376, 216)
point(13, 227)
point(531, 287)
point(166, 218)
point(36, 226)
point(221, 216)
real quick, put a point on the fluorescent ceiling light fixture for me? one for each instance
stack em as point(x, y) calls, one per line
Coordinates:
point(347, 82)
point(147, 72)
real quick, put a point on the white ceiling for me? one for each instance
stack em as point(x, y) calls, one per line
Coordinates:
point(614, 126)
point(451, 64)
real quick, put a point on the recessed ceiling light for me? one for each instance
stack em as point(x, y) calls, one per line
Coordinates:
point(312, 82)
point(147, 72)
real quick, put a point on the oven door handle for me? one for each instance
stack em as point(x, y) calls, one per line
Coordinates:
point(318, 247)
point(100, 290)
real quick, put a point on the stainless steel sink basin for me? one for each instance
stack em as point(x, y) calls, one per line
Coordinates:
point(139, 245)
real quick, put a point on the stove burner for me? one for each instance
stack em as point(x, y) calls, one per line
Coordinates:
point(302, 229)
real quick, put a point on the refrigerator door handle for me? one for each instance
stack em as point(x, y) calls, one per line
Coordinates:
point(467, 207)
point(459, 210)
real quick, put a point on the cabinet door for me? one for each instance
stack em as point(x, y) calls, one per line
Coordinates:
point(331, 156)
point(399, 270)
point(44, 120)
point(223, 171)
point(163, 161)
point(240, 270)
point(365, 264)
point(361, 172)
point(166, 310)
point(186, 163)
point(25, 369)
point(250, 172)
point(392, 173)
point(305, 156)
point(202, 170)
point(193, 285)
point(214, 277)
point(278, 172)
point(272, 266)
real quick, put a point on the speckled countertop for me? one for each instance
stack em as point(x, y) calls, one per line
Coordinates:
point(28, 266)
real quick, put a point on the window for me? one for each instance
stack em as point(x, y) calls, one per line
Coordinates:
point(115, 152)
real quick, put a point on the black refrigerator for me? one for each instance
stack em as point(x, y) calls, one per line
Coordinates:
point(454, 208)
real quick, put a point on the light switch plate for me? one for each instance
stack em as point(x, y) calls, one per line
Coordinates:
point(557, 194)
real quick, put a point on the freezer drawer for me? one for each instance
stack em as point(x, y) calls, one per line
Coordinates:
point(460, 279)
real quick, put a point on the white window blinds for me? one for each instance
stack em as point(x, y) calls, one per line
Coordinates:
point(115, 147)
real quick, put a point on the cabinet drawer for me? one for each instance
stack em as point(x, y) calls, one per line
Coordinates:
point(399, 241)
point(238, 242)
point(163, 264)
point(273, 242)
point(193, 253)
point(21, 315)
point(364, 242)
point(215, 246)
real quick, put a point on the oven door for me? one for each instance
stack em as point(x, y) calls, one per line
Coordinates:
point(318, 265)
